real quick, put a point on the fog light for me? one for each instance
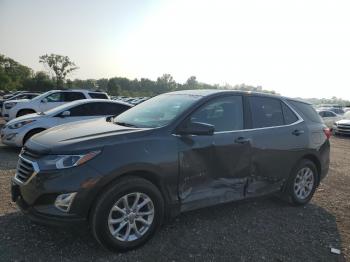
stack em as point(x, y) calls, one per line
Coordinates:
point(63, 202)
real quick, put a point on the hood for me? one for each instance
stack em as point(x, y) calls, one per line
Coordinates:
point(34, 116)
point(344, 122)
point(82, 136)
point(16, 101)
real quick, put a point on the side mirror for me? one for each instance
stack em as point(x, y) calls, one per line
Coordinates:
point(196, 128)
point(65, 113)
point(44, 101)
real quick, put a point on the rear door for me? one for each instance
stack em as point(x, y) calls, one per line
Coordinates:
point(278, 138)
point(214, 169)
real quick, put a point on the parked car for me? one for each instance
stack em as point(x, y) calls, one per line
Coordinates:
point(51, 99)
point(19, 130)
point(11, 94)
point(173, 153)
point(329, 117)
point(342, 127)
point(7, 104)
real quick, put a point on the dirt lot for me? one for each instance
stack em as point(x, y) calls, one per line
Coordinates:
point(257, 230)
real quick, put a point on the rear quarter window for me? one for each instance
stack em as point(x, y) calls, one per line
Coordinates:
point(306, 111)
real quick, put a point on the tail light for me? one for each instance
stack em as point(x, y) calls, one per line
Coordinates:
point(327, 131)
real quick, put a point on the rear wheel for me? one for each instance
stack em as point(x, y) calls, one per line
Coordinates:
point(127, 214)
point(302, 183)
point(25, 112)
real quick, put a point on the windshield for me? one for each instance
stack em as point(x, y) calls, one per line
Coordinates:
point(157, 111)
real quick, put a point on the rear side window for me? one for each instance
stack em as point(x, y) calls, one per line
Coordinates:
point(289, 116)
point(72, 96)
point(98, 95)
point(113, 108)
point(266, 112)
point(306, 111)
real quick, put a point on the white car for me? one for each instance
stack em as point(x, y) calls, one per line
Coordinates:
point(20, 98)
point(17, 131)
point(50, 99)
point(342, 127)
point(329, 117)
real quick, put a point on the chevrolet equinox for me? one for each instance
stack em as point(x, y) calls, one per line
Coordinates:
point(173, 153)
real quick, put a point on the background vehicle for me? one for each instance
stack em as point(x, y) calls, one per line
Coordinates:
point(173, 153)
point(329, 117)
point(50, 100)
point(18, 131)
point(7, 104)
point(342, 127)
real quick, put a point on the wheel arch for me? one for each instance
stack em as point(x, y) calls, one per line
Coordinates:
point(148, 175)
point(25, 109)
point(25, 137)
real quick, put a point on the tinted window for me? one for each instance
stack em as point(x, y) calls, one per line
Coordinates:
point(289, 116)
point(266, 112)
point(113, 108)
point(89, 109)
point(98, 95)
point(225, 114)
point(55, 97)
point(321, 113)
point(72, 96)
point(329, 114)
point(306, 111)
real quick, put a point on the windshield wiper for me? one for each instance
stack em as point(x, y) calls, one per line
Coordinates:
point(125, 124)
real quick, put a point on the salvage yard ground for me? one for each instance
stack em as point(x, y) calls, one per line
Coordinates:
point(256, 230)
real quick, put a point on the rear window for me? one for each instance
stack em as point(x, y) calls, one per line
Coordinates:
point(98, 95)
point(306, 111)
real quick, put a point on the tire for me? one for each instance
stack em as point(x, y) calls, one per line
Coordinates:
point(292, 194)
point(102, 211)
point(25, 112)
point(30, 134)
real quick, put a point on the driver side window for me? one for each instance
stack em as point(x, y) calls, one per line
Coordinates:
point(225, 114)
point(55, 97)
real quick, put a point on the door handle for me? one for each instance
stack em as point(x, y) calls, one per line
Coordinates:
point(298, 132)
point(242, 140)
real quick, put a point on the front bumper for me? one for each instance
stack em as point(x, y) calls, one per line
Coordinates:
point(341, 129)
point(11, 137)
point(37, 197)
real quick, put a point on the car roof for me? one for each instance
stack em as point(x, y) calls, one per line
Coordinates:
point(85, 101)
point(210, 92)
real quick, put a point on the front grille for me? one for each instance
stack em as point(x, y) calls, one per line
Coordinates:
point(343, 127)
point(25, 170)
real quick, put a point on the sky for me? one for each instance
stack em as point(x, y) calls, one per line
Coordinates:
point(298, 48)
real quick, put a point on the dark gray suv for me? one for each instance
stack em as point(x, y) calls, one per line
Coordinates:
point(173, 153)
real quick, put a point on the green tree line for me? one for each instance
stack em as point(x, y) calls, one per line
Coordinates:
point(15, 76)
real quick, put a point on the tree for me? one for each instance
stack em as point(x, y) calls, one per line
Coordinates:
point(166, 83)
point(12, 74)
point(60, 65)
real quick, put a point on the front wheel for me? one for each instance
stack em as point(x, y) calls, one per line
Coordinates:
point(127, 214)
point(302, 183)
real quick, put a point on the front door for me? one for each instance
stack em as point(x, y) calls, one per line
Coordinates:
point(214, 169)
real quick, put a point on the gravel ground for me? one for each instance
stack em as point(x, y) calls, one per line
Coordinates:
point(256, 230)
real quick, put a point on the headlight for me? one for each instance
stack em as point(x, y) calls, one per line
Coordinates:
point(10, 105)
point(20, 124)
point(66, 161)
